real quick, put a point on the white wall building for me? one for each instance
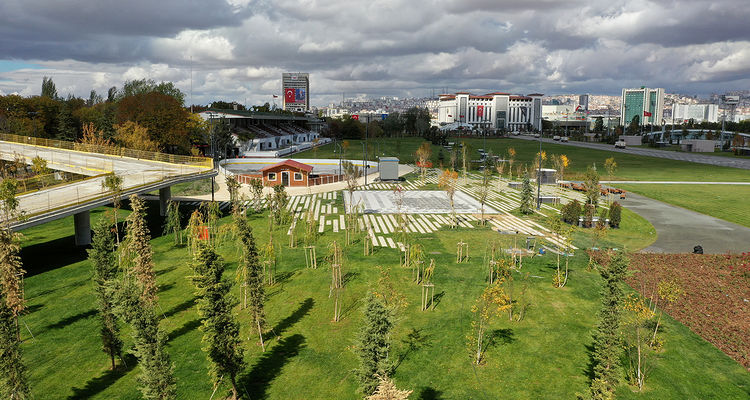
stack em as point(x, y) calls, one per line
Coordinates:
point(497, 111)
point(696, 112)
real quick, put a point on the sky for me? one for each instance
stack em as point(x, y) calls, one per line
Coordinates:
point(237, 49)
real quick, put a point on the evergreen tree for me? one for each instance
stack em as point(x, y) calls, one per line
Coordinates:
point(104, 261)
point(139, 249)
point(250, 275)
point(12, 371)
point(48, 88)
point(607, 349)
point(172, 224)
point(221, 331)
point(156, 379)
point(527, 196)
point(374, 344)
point(11, 273)
point(66, 126)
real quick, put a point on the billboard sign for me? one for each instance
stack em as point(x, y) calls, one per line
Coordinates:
point(292, 95)
point(731, 100)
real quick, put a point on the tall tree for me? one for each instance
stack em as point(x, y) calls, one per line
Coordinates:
point(250, 275)
point(162, 115)
point(221, 332)
point(527, 196)
point(103, 260)
point(374, 343)
point(140, 253)
point(156, 379)
point(11, 272)
point(593, 191)
point(607, 344)
point(66, 124)
point(48, 88)
point(13, 384)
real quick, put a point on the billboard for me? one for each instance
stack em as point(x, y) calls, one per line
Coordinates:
point(731, 100)
point(294, 95)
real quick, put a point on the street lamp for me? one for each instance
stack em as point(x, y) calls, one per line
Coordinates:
point(539, 177)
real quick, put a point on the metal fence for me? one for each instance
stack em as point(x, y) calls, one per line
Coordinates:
point(109, 150)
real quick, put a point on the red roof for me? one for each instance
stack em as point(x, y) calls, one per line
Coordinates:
point(481, 97)
point(289, 163)
point(496, 93)
point(520, 98)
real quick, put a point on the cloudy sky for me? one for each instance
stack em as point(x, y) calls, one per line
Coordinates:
point(239, 48)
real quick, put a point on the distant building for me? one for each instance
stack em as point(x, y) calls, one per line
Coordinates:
point(647, 104)
point(696, 112)
point(295, 91)
point(496, 111)
point(583, 103)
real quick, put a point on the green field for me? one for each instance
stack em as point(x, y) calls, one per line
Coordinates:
point(728, 202)
point(546, 355)
point(630, 167)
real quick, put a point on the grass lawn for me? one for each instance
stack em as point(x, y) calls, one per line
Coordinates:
point(630, 167)
point(728, 202)
point(193, 188)
point(546, 355)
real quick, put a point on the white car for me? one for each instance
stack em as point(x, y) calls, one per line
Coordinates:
point(620, 144)
point(564, 139)
point(556, 137)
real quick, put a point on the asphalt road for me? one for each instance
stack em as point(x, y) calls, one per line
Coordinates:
point(743, 163)
point(680, 229)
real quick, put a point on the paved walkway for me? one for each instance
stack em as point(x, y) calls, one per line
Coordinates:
point(743, 163)
point(680, 229)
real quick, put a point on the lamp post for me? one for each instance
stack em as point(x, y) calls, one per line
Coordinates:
point(539, 177)
point(213, 152)
point(364, 155)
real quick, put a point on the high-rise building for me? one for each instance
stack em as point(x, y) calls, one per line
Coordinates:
point(295, 91)
point(583, 103)
point(696, 112)
point(647, 104)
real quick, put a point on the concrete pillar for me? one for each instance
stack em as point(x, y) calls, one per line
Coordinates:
point(82, 223)
point(164, 195)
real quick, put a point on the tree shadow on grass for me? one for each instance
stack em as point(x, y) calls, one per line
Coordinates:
point(429, 393)
point(349, 276)
point(500, 337)
point(438, 297)
point(414, 341)
point(106, 379)
point(268, 367)
point(180, 307)
point(185, 328)
point(589, 371)
point(47, 256)
point(70, 320)
point(303, 309)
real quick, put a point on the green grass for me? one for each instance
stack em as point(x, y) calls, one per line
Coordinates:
point(193, 188)
point(544, 356)
point(630, 166)
point(728, 202)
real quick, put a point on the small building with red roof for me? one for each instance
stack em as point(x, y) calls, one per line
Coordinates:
point(288, 173)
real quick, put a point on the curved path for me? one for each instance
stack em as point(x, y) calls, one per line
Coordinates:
point(743, 163)
point(680, 229)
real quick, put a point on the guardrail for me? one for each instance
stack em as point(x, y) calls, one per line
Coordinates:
point(49, 181)
point(109, 150)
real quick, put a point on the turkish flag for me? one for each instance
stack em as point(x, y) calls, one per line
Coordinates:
point(646, 114)
point(355, 116)
point(480, 111)
point(289, 95)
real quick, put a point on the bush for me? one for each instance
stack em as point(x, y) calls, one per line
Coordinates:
point(571, 212)
point(589, 210)
point(615, 215)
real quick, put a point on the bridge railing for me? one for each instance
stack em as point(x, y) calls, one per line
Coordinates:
point(203, 162)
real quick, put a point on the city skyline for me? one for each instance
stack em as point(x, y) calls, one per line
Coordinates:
point(237, 49)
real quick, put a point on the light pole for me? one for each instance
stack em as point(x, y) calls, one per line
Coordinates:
point(539, 177)
point(364, 155)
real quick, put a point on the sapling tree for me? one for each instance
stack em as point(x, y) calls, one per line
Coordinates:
point(373, 345)
point(172, 224)
point(11, 273)
point(387, 390)
point(139, 250)
point(13, 381)
point(221, 331)
point(591, 184)
point(527, 196)
point(250, 276)
point(423, 154)
point(233, 186)
point(484, 190)
point(667, 291)
point(256, 191)
point(607, 341)
point(491, 304)
point(113, 184)
point(511, 161)
point(636, 334)
point(194, 230)
point(351, 175)
point(103, 259)
point(448, 182)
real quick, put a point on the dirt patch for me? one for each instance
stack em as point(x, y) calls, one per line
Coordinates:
point(716, 300)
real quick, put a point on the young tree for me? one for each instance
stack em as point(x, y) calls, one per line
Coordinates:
point(351, 175)
point(448, 182)
point(256, 190)
point(11, 273)
point(221, 331)
point(172, 224)
point(139, 249)
point(102, 257)
point(561, 162)
point(527, 196)
point(8, 202)
point(491, 303)
point(484, 190)
point(250, 275)
point(593, 191)
point(156, 379)
point(113, 184)
point(39, 167)
point(423, 154)
point(233, 186)
point(511, 160)
point(607, 349)
point(615, 215)
point(131, 135)
point(636, 337)
point(13, 384)
point(387, 390)
point(374, 343)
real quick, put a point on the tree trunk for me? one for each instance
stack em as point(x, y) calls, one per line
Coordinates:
point(234, 387)
point(112, 359)
point(260, 335)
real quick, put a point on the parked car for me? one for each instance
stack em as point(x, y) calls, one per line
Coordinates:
point(536, 135)
point(564, 139)
point(620, 144)
point(556, 137)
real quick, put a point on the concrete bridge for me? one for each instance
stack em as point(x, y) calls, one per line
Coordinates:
point(141, 172)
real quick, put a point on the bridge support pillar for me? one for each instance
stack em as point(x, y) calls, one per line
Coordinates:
point(82, 222)
point(164, 195)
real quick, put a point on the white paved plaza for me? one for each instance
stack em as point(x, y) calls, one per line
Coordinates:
point(416, 202)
